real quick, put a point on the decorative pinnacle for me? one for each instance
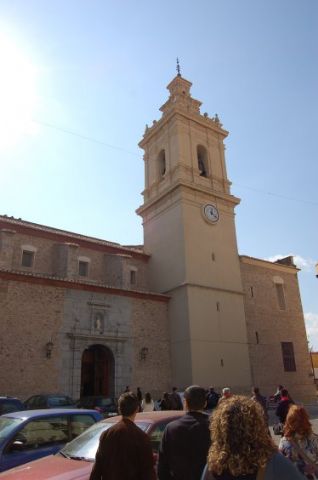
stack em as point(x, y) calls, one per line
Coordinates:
point(178, 68)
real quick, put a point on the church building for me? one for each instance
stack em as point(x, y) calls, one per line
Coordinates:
point(84, 316)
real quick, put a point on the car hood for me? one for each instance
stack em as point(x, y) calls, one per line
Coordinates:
point(53, 467)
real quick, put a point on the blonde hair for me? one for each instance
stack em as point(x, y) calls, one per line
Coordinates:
point(240, 440)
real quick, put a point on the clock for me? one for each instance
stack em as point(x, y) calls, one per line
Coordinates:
point(211, 213)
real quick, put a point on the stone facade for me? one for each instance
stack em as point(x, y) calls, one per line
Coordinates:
point(271, 323)
point(50, 302)
point(81, 315)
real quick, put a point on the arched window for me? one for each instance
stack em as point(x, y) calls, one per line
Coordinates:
point(162, 163)
point(202, 156)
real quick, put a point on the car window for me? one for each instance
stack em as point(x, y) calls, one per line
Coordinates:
point(59, 401)
point(30, 402)
point(45, 431)
point(85, 446)
point(105, 402)
point(7, 425)
point(7, 406)
point(156, 435)
point(80, 423)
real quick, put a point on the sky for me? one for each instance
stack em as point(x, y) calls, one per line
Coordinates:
point(80, 80)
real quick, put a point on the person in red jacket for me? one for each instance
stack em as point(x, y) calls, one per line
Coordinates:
point(124, 451)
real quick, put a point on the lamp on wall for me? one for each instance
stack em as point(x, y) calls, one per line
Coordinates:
point(48, 348)
point(143, 353)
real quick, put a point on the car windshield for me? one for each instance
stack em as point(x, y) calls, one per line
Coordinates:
point(85, 446)
point(105, 402)
point(7, 425)
point(60, 401)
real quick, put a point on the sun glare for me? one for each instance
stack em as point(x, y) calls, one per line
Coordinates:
point(17, 93)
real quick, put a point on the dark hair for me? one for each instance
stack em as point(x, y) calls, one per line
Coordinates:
point(256, 390)
point(284, 392)
point(174, 389)
point(195, 397)
point(128, 404)
point(147, 397)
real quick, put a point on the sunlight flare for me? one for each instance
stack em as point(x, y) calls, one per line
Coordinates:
point(17, 93)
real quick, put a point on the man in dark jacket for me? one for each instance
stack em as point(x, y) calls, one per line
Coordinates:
point(186, 441)
point(124, 451)
point(283, 406)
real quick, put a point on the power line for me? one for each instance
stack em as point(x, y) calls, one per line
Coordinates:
point(115, 147)
point(285, 197)
point(84, 137)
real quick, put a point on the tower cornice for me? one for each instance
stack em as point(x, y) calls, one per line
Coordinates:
point(190, 186)
point(202, 120)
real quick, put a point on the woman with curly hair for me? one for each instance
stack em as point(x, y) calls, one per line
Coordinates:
point(299, 443)
point(241, 448)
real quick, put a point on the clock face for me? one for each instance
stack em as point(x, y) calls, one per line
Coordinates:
point(211, 213)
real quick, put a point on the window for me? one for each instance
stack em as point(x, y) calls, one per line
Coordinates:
point(83, 268)
point(252, 291)
point(162, 163)
point(79, 423)
point(133, 277)
point(46, 431)
point(280, 296)
point(288, 357)
point(218, 306)
point(257, 337)
point(202, 157)
point(27, 258)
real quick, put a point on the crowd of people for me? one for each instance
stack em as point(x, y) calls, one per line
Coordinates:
point(232, 443)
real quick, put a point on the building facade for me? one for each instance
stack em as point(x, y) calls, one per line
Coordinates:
point(87, 316)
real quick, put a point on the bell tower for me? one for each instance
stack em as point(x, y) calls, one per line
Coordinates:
point(189, 231)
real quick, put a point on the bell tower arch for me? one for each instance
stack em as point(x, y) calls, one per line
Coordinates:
point(189, 231)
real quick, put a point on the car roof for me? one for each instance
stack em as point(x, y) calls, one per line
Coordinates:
point(25, 414)
point(3, 397)
point(50, 395)
point(149, 417)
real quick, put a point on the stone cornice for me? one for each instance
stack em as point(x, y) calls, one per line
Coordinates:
point(201, 120)
point(181, 183)
point(205, 287)
point(267, 264)
point(45, 280)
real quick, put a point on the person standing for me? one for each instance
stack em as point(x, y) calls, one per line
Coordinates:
point(212, 399)
point(147, 404)
point(124, 451)
point(241, 447)
point(175, 400)
point(185, 442)
point(257, 397)
point(283, 406)
point(226, 393)
point(139, 396)
point(165, 403)
point(299, 443)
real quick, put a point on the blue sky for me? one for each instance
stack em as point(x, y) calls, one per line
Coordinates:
point(99, 69)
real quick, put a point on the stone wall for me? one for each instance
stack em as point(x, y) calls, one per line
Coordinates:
point(75, 319)
point(151, 347)
point(30, 316)
point(268, 325)
point(62, 258)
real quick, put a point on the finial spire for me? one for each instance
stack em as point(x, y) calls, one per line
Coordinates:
point(178, 68)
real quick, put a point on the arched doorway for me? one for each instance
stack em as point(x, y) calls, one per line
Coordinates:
point(97, 373)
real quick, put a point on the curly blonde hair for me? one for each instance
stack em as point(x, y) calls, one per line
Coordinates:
point(239, 435)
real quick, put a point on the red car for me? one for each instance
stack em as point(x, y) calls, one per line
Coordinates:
point(75, 460)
